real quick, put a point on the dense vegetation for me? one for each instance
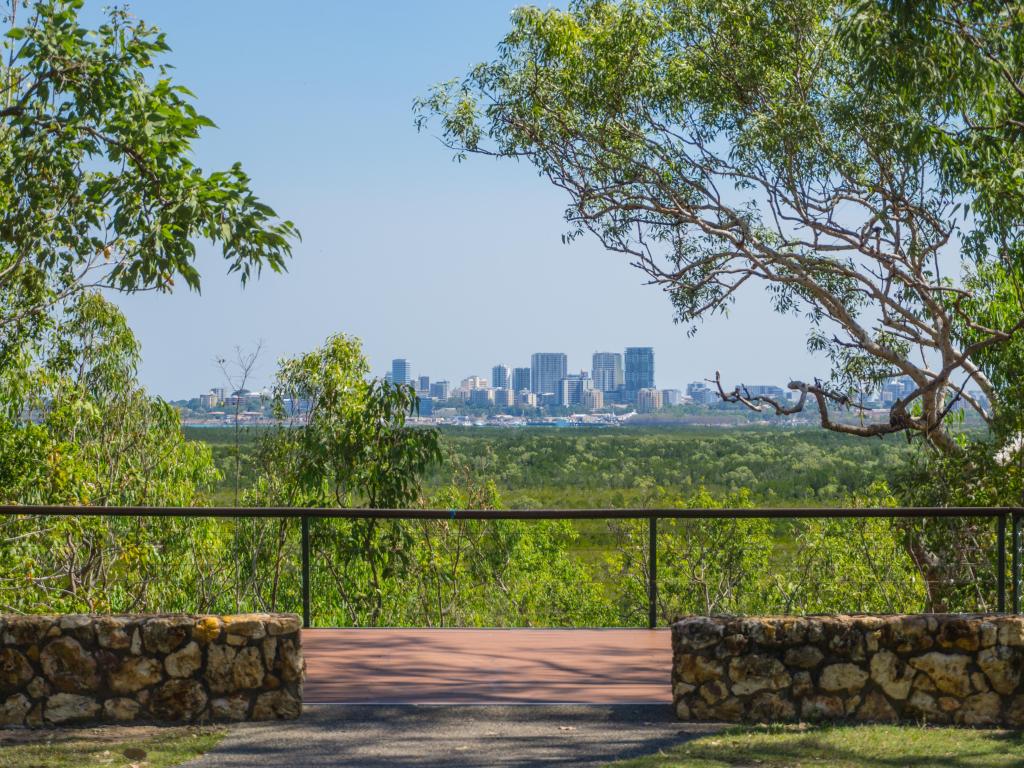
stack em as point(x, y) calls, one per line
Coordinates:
point(99, 190)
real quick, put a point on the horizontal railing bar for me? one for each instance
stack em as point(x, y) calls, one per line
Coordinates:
point(510, 514)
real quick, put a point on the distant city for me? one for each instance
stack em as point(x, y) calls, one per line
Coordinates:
point(618, 387)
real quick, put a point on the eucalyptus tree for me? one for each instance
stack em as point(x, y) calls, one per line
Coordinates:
point(98, 187)
point(728, 146)
point(343, 440)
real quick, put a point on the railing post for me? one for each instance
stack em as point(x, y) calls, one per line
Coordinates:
point(652, 572)
point(1001, 563)
point(305, 572)
point(1015, 559)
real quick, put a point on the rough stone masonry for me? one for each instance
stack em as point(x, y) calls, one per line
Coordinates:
point(936, 668)
point(164, 668)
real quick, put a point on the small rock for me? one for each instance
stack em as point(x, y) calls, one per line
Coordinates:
point(249, 625)
point(283, 624)
point(134, 673)
point(178, 700)
point(112, 632)
point(960, 633)
point(15, 670)
point(876, 709)
point(1011, 630)
point(1002, 665)
point(37, 688)
point(843, 677)
point(247, 670)
point(277, 705)
point(229, 708)
point(206, 629)
point(948, 703)
point(680, 689)
point(695, 633)
point(269, 646)
point(165, 633)
point(804, 657)
point(184, 662)
point(1015, 712)
point(757, 672)
point(68, 667)
point(14, 709)
point(802, 684)
point(821, 707)
point(69, 707)
point(891, 674)
point(219, 661)
point(947, 671)
point(292, 664)
point(136, 644)
point(714, 691)
point(979, 709)
point(698, 669)
point(120, 709)
point(26, 630)
point(771, 707)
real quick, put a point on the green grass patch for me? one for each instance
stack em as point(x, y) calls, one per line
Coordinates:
point(877, 746)
point(113, 747)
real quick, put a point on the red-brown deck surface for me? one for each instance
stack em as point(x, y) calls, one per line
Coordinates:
point(487, 666)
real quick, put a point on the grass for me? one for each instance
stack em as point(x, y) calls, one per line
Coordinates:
point(111, 746)
point(874, 746)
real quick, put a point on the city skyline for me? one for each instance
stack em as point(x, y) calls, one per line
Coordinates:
point(401, 247)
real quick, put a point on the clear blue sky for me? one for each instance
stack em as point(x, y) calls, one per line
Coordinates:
point(455, 267)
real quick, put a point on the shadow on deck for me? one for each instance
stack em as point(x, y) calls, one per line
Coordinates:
point(487, 666)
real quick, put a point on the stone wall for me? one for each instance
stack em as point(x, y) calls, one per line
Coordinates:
point(166, 668)
point(938, 668)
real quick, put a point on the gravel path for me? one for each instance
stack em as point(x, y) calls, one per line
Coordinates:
point(453, 736)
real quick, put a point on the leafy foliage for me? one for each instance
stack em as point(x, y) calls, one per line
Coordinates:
point(97, 184)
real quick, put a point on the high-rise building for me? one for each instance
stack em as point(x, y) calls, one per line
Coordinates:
point(481, 397)
point(672, 397)
point(547, 369)
point(526, 399)
point(439, 390)
point(500, 376)
point(648, 400)
point(401, 371)
point(424, 384)
point(607, 371)
point(639, 370)
point(473, 382)
point(520, 379)
point(572, 387)
point(593, 400)
point(504, 398)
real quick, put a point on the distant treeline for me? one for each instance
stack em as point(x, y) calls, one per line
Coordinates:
point(590, 467)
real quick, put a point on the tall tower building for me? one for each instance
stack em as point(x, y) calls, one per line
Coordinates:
point(547, 369)
point(520, 379)
point(401, 371)
point(639, 370)
point(500, 376)
point(607, 371)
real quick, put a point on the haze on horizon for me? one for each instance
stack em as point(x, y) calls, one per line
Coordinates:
point(456, 267)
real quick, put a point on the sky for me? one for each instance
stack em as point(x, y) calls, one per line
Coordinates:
point(456, 267)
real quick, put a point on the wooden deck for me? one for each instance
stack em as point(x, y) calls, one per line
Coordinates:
point(487, 666)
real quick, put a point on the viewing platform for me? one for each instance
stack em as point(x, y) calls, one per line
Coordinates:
point(488, 666)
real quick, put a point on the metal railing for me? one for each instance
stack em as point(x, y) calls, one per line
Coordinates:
point(1001, 515)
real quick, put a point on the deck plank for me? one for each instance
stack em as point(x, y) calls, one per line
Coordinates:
point(487, 666)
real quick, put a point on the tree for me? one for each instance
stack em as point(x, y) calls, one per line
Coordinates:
point(89, 434)
point(342, 440)
point(728, 144)
point(97, 184)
